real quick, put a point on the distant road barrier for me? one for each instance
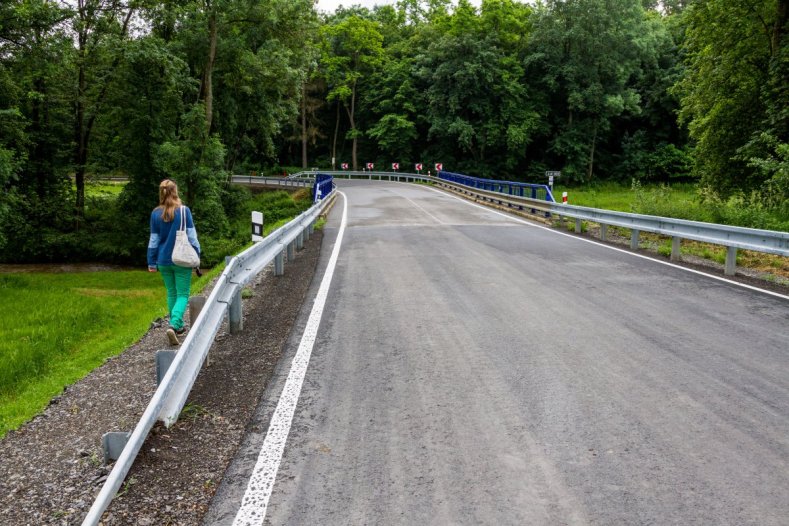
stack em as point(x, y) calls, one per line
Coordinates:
point(176, 383)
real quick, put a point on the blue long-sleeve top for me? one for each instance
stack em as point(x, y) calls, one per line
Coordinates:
point(162, 241)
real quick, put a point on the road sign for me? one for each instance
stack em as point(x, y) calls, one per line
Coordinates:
point(395, 166)
point(370, 166)
point(552, 173)
point(439, 167)
point(257, 226)
point(344, 166)
point(418, 167)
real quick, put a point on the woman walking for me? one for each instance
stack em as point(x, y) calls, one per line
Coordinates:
point(165, 222)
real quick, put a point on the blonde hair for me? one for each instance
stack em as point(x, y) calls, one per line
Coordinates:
point(168, 199)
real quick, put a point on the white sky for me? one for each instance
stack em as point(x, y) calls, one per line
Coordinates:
point(331, 5)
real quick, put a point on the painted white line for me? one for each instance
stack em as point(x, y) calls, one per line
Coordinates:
point(593, 242)
point(416, 205)
point(261, 483)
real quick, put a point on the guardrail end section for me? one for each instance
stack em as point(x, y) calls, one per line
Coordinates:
point(164, 359)
point(112, 444)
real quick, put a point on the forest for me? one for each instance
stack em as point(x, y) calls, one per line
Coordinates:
point(196, 90)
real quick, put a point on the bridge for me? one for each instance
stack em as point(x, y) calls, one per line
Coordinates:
point(463, 366)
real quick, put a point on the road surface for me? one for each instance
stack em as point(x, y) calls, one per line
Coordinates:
point(470, 368)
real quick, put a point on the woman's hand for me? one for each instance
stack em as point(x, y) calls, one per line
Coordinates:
point(152, 269)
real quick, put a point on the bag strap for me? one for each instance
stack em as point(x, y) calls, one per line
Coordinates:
point(183, 220)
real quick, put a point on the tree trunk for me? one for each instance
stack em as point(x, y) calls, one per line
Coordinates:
point(83, 125)
point(304, 126)
point(206, 88)
point(353, 126)
point(336, 132)
point(781, 18)
point(591, 154)
point(80, 133)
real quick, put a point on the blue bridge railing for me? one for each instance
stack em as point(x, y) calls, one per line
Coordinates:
point(535, 191)
point(322, 186)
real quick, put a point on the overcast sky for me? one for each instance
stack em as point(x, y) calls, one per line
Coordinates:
point(331, 5)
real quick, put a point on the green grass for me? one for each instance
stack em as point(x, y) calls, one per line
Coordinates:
point(624, 198)
point(56, 328)
point(607, 196)
point(103, 188)
point(680, 201)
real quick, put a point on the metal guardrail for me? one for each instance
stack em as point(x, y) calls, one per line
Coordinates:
point(286, 182)
point(536, 191)
point(371, 175)
point(170, 397)
point(732, 237)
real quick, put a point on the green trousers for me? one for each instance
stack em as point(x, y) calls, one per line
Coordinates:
point(178, 280)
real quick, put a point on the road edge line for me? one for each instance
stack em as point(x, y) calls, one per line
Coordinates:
point(254, 504)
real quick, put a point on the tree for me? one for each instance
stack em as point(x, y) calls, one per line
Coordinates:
point(587, 54)
point(100, 29)
point(351, 48)
point(735, 94)
point(478, 108)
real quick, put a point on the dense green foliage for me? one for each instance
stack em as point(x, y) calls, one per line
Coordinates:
point(603, 90)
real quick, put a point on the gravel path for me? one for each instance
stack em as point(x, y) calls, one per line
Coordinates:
point(51, 468)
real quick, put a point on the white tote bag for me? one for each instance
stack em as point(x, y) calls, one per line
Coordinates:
point(184, 254)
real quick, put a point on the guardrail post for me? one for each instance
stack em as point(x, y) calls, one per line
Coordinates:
point(675, 249)
point(731, 261)
point(112, 444)
point(311, 228)
point(279, 264)
point(634, 239)
point(577, 226)
point(164, 360)
point(196, 304)
point(300, 240)
point(291, 250)
point(235, 315)
point(603, 232)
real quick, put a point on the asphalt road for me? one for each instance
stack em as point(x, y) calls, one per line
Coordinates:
point(472, 369)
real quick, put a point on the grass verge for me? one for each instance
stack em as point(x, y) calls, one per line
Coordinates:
point(54, 328)
point(57, 327)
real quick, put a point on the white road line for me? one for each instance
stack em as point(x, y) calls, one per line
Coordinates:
point(416, 205)
point(261, 483)
point(585, 240)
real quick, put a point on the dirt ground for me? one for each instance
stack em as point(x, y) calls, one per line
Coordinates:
point(51, 468)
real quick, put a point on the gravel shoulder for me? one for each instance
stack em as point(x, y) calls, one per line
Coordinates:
point(51, 468)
